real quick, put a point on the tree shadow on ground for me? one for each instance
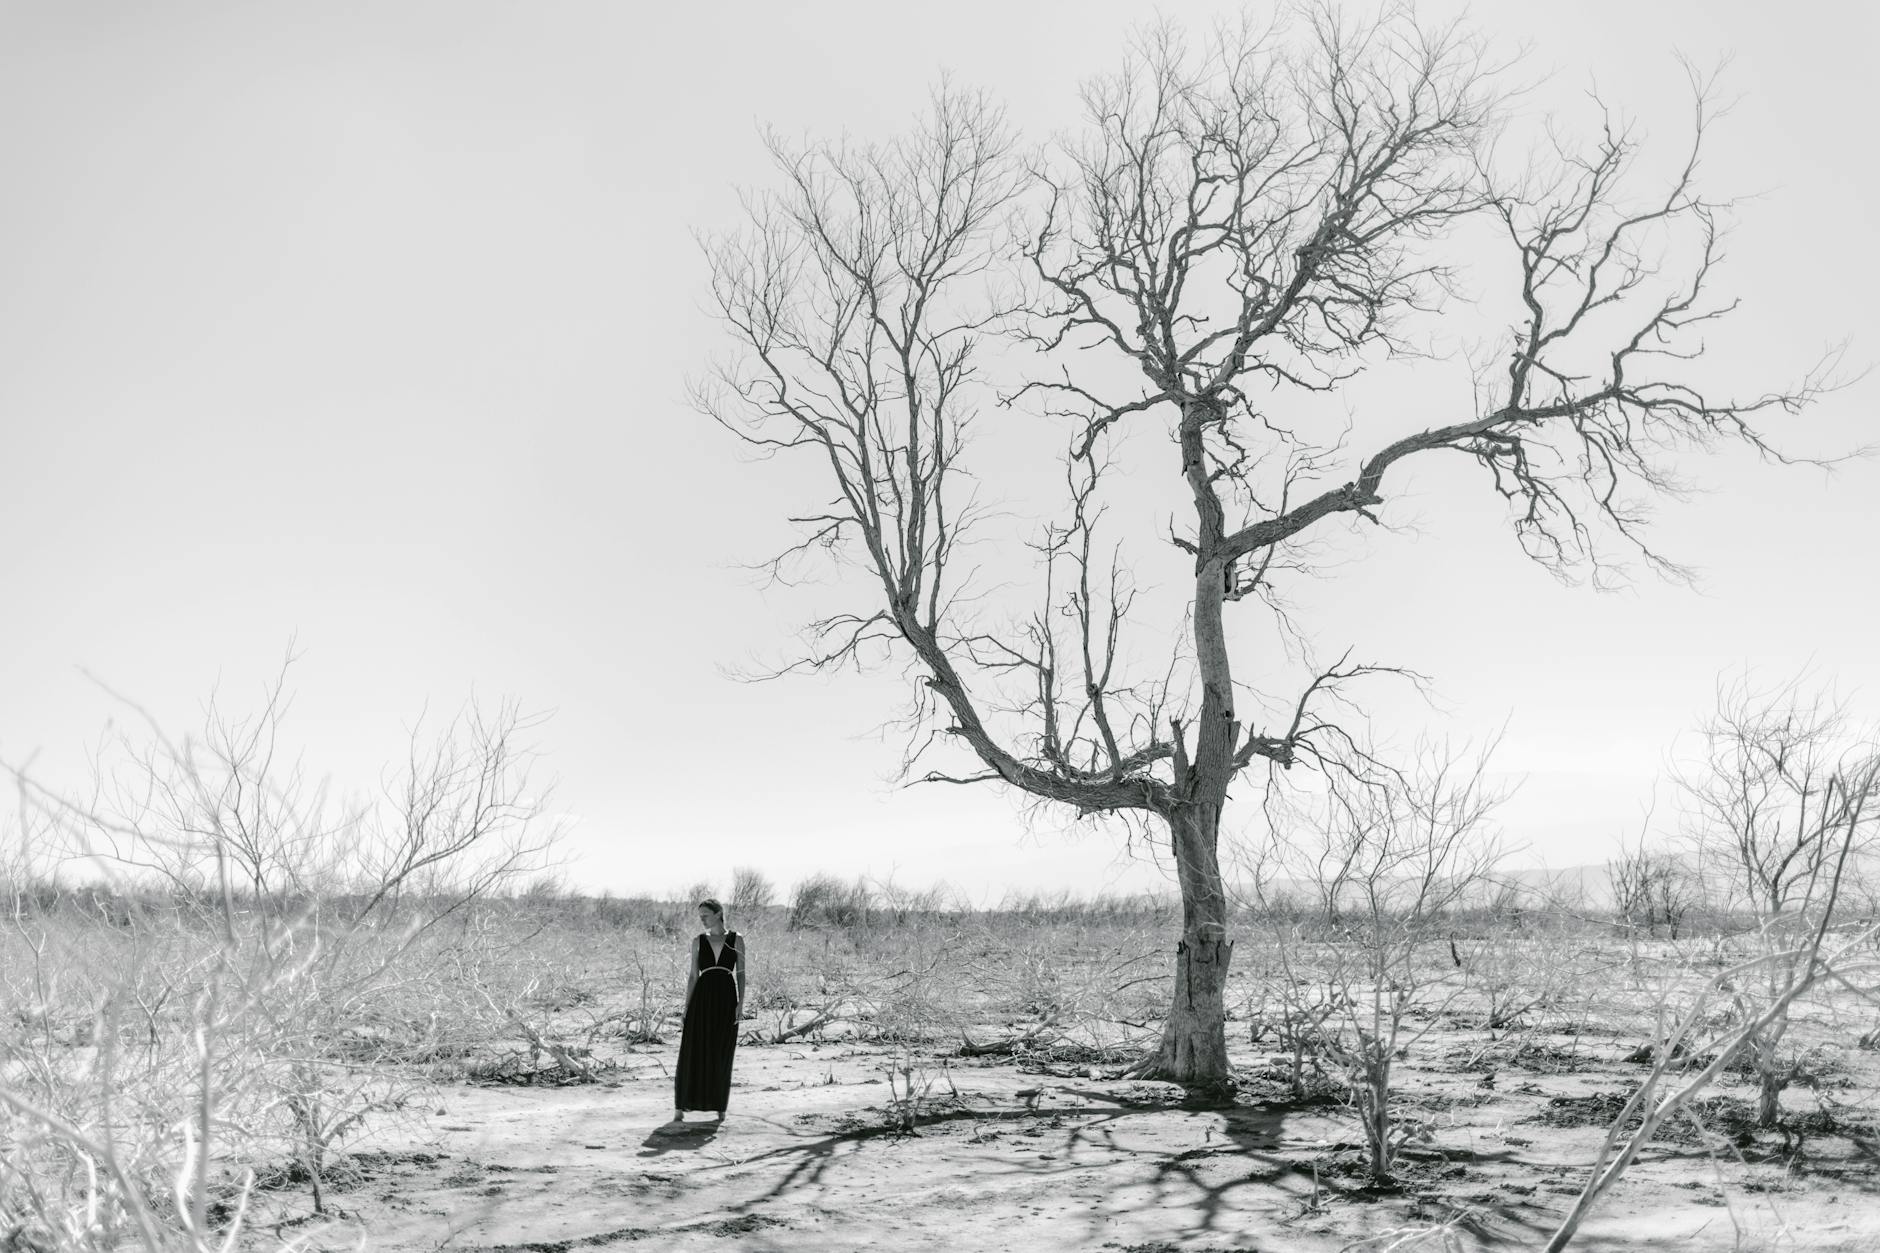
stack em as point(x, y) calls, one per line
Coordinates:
point(1093, 1125)
point(1253, 1132)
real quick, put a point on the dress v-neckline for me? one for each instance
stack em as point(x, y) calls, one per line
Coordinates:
point(718, 950)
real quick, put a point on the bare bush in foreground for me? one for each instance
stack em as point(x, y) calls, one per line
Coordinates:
point(1388, 854)
point(1783, 976)
point(1785, 803)
point(234, 1017)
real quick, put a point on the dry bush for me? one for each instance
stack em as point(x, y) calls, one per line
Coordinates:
point(1517, 981)
point(1784, 803)
point(1388, 853)
point(926, 986)
point(233, 1015)
point(809, 986)
point(912, 1080)
point(1786, 799)
point(1074, 988)
point(1652, 888)
point(1700, 1046)
point(1290, 1004)
point(751, 889)
point(825, 901)
point(652, 1003)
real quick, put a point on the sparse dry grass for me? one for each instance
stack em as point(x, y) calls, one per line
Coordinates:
point(111, 1015)
point(112, 1011)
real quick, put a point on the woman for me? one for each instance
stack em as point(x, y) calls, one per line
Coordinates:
point(714, 997)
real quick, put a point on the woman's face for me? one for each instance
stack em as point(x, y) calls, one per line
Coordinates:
point(708, 919)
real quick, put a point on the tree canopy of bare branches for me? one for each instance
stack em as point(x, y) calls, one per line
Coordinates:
point(1242, 224)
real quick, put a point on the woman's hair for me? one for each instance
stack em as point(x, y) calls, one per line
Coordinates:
point(714, 906)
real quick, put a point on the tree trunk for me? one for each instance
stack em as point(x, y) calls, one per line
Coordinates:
point(1769, 1100)
point(1374, 1103)
point(1194, 1037)
point(1193, 1050)
point(1765, 1051)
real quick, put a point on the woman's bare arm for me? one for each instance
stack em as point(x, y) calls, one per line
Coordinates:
point(744, 960)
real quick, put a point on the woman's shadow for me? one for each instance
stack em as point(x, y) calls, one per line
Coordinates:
point(669, 1137)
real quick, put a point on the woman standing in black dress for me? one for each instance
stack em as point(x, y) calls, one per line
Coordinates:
point(714, 995)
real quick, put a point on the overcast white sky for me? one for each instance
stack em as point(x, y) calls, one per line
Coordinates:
point(369, 325)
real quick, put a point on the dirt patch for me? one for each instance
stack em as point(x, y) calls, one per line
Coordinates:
point(343, 1171)
point(809, 1161)
point(1724, 1118)
point(1548, 1059)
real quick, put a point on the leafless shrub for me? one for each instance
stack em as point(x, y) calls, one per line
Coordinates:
point(231, 1018)
point(1785, 801)
point(1651, 888)
point(1513, 978)
point(923, 999)
point(912, 1079)
point(1293, 1010)
point(896, 905)
point(643, 1020)
point(543, 889)
point(808, 988)
point(1698, 1050)
point(545, 1056)
point(826, 901)
point(751, 889)
point(1388, 853)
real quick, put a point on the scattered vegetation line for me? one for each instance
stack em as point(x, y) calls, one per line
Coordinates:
point(911, 983)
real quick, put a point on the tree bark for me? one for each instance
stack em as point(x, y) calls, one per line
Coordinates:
point(1375, 1106)
point(1769, 1099)
point(1193, 1049)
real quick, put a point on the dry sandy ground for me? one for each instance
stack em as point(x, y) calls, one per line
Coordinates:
point(1038, 1162)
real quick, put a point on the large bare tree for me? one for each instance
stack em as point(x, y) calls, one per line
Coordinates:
point(1240, 226)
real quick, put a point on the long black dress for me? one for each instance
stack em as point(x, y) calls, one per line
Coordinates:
point(703, 1077)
